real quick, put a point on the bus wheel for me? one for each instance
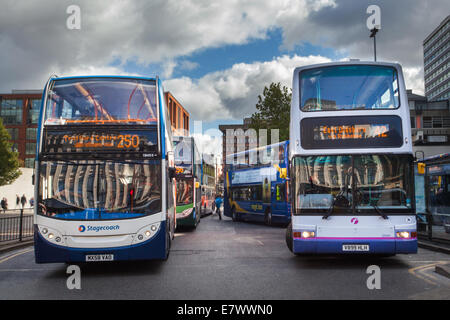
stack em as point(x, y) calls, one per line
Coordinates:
point(268, 217)
point(234, 215)
point(289, 236)
point(168, 244)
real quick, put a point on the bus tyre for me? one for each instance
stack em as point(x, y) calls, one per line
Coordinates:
point(289, 237)
point(168, 244)
point(268, 217)
point(234, 215)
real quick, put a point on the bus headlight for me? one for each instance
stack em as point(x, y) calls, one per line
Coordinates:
point(147, 232)
point(406, 234)
point(305, 234)
point(51, 235)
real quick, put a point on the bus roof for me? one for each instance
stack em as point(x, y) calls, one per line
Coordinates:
point(102, 76)
point(343, 63)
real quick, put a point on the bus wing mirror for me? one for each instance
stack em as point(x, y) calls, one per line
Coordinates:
point(172, 171)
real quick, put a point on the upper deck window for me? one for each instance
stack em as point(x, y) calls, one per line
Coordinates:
point(101, 101)
point(349, 87)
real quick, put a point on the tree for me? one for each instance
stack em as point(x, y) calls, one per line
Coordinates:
point(273, 111)
point(9, 159)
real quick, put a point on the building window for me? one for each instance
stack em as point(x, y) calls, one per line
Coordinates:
point(30, 148)
point(11, 111)
point(413, 122)
point(31, 133)
point(29, 162)
point(33, 111)
point(14, 133)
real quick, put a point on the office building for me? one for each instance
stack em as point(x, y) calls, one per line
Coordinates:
point(436, 60)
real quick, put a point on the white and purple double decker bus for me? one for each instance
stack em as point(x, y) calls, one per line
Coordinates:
point(351, 161)
point(104, 171)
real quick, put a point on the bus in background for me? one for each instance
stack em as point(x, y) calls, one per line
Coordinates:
point(351, 160)
point(188, 177)
point(208, 185)
point(256, 185)
point(432, 185)
point(104, 171)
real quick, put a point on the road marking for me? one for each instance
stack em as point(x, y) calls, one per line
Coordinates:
point(15, 255)
point(421, 272)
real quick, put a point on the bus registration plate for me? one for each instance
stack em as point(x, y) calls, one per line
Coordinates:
point(355, 247)
point(99, 257)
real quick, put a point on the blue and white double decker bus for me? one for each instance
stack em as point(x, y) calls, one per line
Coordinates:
point(256, 185)
point(104, 171)
point(351, 160)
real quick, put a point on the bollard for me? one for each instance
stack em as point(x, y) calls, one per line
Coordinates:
point(20, 224)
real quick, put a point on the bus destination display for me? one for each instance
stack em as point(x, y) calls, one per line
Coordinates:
point(57, 140)
point(351, 132)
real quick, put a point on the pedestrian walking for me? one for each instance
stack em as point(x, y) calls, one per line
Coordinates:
point(3, 205)
point(32, 202)
point(17, 201)
point(218, 202)
point(23, 200)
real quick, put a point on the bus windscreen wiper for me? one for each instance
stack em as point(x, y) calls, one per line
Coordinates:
point(341, 198)
point(377, 209)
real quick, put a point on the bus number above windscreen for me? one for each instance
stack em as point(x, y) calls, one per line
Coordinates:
point(351, 132)
point(59, 140)
point(361, 131)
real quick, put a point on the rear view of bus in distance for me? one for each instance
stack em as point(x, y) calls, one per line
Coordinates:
point(352, 175)
point(188, 178)
point(104, 167)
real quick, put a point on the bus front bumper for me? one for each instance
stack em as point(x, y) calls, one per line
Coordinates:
point(360, 246)
point(46, 252)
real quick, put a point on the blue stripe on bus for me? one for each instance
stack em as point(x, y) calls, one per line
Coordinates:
point(335, 246)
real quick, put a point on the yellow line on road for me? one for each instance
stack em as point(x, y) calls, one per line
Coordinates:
point(15, 255)
point(419, 272)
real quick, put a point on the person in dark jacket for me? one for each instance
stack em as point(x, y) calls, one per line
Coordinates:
point(23, 200)
point(4, 204)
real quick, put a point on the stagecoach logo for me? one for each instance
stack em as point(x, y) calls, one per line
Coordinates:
point(82, 228)
point(354, 221)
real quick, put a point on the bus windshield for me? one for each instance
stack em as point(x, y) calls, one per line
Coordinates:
point(101, 101)
point(185, 192)
point(353, 184)
point(99, 190)
point(349, 87)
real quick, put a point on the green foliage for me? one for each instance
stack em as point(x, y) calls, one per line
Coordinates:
point(9, 160)
point(273, 111)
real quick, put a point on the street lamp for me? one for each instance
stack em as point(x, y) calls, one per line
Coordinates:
point(373, 32)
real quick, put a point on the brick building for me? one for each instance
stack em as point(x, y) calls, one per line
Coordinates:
point(20, 113)
point(179, 116)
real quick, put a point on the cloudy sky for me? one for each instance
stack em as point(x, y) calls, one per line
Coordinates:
point(214, 56)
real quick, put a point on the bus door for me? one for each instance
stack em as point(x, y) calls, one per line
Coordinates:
point(279, 203)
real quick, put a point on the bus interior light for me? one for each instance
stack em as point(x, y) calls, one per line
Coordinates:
point(51, 235)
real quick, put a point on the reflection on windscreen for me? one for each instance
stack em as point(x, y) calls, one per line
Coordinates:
point(349, 88)
point(101, 100)
point(185, 192)
point(366, 182)
point(93, 190)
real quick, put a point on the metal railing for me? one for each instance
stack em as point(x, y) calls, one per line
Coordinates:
point(16, 225)
point(434, 226)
